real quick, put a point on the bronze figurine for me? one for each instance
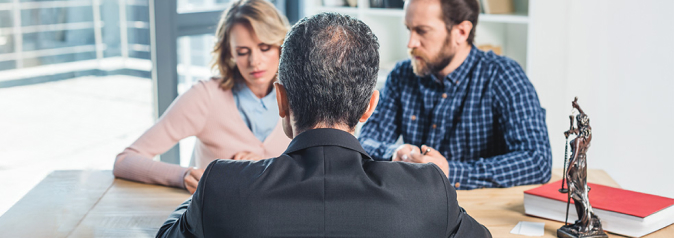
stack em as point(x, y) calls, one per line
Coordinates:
point(566, 159)
point(588, 224)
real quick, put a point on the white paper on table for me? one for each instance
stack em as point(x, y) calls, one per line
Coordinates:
point(529, 228)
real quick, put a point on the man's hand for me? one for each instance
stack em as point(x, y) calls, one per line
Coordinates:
point(403, 152)
point(246, 155)
point(431, 156)
point(192, 178)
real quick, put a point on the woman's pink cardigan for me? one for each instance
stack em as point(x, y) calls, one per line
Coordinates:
point(204, 111)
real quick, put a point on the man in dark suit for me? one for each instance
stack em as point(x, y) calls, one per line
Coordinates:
point(325, 184)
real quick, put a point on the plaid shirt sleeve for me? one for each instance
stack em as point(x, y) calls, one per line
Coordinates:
point(528, 159)
point(378, 137)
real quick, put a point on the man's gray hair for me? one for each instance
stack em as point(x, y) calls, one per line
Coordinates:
point(329, 64)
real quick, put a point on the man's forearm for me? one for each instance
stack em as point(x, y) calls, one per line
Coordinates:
point(507, 170)
point(377, 149)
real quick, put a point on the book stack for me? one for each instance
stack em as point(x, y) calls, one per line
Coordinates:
point(621, 211)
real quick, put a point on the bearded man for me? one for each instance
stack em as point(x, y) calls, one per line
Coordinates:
point(474, 114)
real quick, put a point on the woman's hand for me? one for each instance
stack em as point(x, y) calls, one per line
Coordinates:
point(246, 155)
point(192, 178)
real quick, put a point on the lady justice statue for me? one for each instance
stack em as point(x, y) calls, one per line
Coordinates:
point(588, 224)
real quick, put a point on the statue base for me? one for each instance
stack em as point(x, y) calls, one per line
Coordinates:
point(561, 233)
point(573, 231)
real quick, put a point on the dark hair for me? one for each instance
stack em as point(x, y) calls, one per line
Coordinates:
point(457, 11)
point(328, 66)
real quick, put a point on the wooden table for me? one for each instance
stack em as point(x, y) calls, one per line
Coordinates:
point(77, 203)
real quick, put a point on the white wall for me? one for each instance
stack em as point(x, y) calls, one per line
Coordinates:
point(617, 56)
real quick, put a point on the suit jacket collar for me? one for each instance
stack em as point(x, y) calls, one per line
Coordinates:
point(325, 137)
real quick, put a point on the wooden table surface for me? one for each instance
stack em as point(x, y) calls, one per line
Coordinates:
point(75, 203)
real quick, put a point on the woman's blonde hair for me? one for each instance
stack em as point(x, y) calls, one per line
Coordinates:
point(262, 17)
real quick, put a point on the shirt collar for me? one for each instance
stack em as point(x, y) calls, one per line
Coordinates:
point(270, 99)
point(242, 90)
point(462, 71)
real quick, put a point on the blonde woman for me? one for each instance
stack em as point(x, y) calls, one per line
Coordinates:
point(234, 116)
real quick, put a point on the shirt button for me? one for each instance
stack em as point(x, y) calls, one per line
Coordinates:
point(444, 95)
point(457, 81)
point(435, 126)
point(414, 117)
point(457, 184)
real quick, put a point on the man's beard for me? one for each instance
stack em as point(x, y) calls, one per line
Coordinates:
point(427, 66)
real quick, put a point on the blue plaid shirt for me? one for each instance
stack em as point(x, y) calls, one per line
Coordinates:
point(484, 117)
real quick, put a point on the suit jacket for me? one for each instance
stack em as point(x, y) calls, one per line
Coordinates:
point(324, 185)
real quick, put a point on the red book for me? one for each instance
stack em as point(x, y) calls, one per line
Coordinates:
point(621, 211)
